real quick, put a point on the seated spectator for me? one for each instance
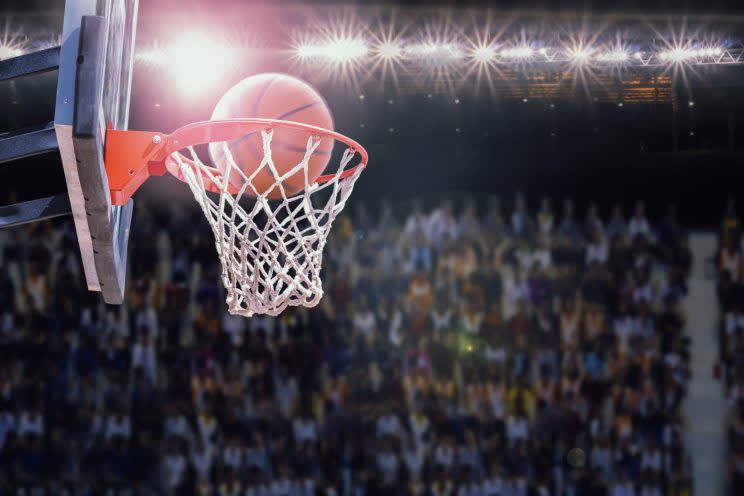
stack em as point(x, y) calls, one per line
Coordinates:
point(638, 224)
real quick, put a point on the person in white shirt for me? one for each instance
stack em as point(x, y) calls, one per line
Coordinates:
point(174, 468)
point(597, 250)
point(305, 429)
point(388, 424)
point(30, 422)
point(441, 317)
point(145, 358)
point(638, 224)
point(202, 458)
point(234, 326)
point(545, 217)
point(643, 293)
point(623, 326)
point(623, 486)
point(256, 455)
point(118, 425)
point(232, 455)
point(281, 486)
point(177, 425)
point(206, 424)
point(541, 255)
point(442, 225)
point(364, 320)
point(285, 391)
point(387, 464)
point(414, 457)
point(493, 483)
point(517, 427)
point(515, 291)
point(651, 457)
point(419, 424)
point(444, 453)
point(417, 222)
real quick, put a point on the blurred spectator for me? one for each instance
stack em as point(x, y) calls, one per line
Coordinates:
point(452, 354)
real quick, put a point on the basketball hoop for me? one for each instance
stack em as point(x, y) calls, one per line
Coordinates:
point(270, 250)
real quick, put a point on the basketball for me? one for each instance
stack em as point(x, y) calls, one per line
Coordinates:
point(274, 96)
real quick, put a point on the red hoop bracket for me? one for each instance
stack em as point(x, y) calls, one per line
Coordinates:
point(131, 157)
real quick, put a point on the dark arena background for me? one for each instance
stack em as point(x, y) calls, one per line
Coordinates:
point(535, 288)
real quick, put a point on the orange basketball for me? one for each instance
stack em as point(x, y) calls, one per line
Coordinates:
point(274, 96)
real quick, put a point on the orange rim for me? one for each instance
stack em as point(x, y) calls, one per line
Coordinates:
point(204, 132)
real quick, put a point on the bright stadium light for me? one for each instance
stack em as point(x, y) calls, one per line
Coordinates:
point(12, 45)
point(679, 54)
point(9, 51)
point(307, 51)
point(434, 50)
point(521, 52)
point(389, 51)
point(422, 49)
point(337, 50)
point(709, 52)
point(579, 54)
point(154, 55)
point(344, 49)
point(484, 54)
point(613, 56)
point(197, 61)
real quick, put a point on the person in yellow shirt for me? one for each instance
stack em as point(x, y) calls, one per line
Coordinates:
point(519, 394)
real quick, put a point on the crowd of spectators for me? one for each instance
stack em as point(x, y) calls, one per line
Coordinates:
point(731, 339)
point(454, 353)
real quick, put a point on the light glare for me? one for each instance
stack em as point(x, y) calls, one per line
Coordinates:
point(484, 54)
point(613, 56)
point(522, 52)
point(8, 51)
point(679, 54)
point(338, 50)
point(197, 61)
point(431, 49)
point(579, 54)
point(389, 51)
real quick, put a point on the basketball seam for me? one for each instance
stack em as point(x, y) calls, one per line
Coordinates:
point(254, 148)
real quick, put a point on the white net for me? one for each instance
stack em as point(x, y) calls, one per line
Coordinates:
point(271, 251)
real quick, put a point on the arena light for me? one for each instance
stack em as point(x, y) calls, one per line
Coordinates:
point(197, 61)
point(679, 54)
point(307, 51)
point(344, 49)
point(709, 52)
point(338, 50)
point(12, 44)
point(616, 56)
point(433, 50)
point(154, 55)
point(520, 52)
point(484, 54)
point(389, 51)
point(579, 54)
point(8, 51)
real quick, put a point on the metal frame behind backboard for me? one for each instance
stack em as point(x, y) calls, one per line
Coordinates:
point(93, 91)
